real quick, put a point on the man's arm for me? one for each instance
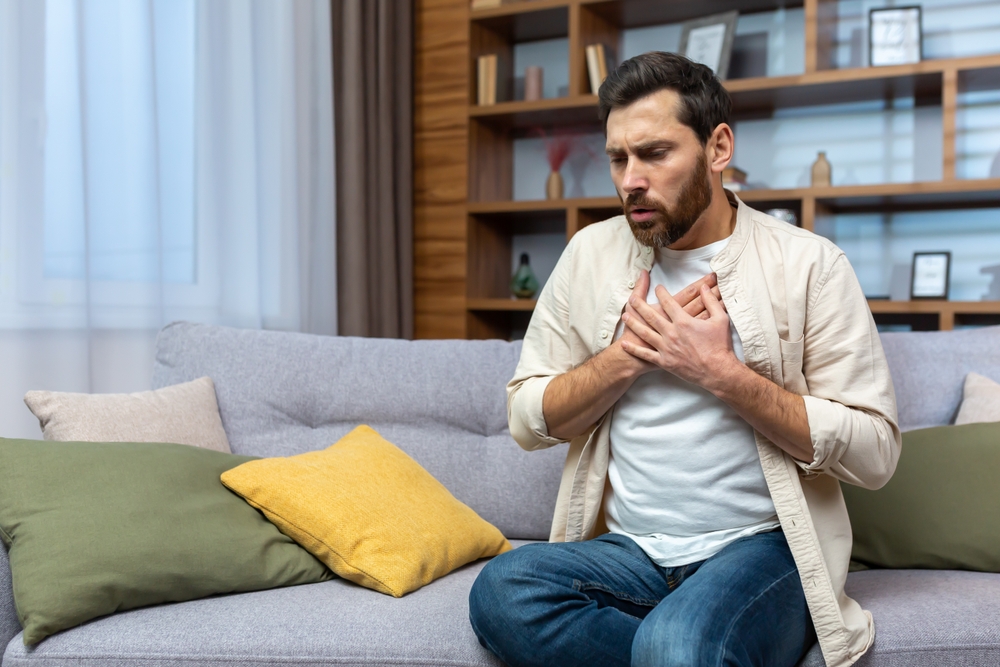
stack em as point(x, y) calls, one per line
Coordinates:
point(575, 400)
point(700, 351)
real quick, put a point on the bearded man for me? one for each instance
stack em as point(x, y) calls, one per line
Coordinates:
point(717, 374)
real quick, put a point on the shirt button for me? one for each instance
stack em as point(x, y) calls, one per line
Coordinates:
point(604, 334)
point(631, 284)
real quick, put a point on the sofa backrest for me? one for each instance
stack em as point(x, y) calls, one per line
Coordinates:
point(443, 402)
point(928, 371)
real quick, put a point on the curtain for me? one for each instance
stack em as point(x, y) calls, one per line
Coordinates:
point(373, 66)
point(160, 160)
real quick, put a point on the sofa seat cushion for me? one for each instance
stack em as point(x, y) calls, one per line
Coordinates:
point(927, 618)
point(330, 623)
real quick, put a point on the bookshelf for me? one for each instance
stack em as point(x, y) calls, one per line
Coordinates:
point(490, 218)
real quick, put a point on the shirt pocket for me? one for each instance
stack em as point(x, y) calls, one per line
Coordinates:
point(791, 366)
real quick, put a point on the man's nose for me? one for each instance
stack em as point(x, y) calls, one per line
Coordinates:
point(634, 177)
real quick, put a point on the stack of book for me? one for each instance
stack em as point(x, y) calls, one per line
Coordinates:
point(735, 179)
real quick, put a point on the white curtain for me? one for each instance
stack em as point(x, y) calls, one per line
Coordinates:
point(160, 160)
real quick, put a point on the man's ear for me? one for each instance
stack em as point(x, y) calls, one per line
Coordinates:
point(720, 148)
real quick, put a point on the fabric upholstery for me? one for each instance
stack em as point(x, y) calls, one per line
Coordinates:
point(980, 400)
point(441, 402)
point(928, 370)
point(927, 618)
point(335, 623)
point(94, 528)
point(368, 511)
point(185, 414)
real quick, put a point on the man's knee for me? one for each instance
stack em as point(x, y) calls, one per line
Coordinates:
point(676, 642)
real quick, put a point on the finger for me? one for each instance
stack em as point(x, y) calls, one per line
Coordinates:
point(639, 352)
point(637, 326)
point(670, 306)
point(718, 295)
point(654, 317)
point(695, 307)
point(641, 289)
point(712, 303)
point(691, 292)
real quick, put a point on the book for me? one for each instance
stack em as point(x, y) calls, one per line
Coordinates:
point(486, 4)
point(597, 65)
point(486, 79)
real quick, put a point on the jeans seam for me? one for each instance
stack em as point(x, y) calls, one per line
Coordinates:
point(581, 586)
point(739, 614)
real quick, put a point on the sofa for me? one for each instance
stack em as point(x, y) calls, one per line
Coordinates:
point(443, 402)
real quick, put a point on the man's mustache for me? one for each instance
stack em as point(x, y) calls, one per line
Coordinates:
point(640, 200)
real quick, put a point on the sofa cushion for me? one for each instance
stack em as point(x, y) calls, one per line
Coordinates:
point(368, 511)
point(443, 402)
point(185, 413)
point(939, 509)
point(927, 618)
point(980, 400)
point(335, 623)
point(94, 528)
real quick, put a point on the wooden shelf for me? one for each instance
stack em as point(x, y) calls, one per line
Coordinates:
point(762, 95)
point(501, 305)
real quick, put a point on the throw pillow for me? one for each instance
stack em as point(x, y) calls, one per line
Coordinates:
point(368, 511)
point(186, 414)
point(938, 510)
point(94, 528)
point(980, 400)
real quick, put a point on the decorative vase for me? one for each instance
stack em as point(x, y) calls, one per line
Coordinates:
point(524, 284)
point(554, 186)
point(821, 171)
point(532, 83)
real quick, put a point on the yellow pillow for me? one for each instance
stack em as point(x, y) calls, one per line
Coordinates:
point(368, 511)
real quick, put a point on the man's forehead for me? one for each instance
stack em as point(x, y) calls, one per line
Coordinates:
point(649, 117)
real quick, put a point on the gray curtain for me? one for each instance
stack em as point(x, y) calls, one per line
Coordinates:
point(372, 78)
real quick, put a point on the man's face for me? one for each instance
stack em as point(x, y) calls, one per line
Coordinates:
point(659, 169)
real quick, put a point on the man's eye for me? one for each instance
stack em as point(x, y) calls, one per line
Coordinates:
point(618, 160)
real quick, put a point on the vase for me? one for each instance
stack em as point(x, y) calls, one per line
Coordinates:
point(554, 186)
point(524, 284)
point(532, 83)
point(821, 171)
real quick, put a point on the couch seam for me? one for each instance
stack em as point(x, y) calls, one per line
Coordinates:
point(228, 659)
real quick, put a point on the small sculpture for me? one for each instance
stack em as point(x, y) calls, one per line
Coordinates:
point(524, 284)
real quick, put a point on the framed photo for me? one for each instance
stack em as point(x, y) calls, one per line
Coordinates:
point(894, 36)
point(709, 41)
point(931, 272)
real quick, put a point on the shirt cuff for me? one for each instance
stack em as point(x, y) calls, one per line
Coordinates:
point(829, 430)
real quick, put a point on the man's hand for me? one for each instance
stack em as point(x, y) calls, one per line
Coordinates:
point(701, 352)
point(695, 347)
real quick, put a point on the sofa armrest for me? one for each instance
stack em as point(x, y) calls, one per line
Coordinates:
point(9, 625)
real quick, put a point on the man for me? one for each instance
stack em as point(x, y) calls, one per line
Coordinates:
point(710, 420)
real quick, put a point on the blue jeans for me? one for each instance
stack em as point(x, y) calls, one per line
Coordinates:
point(604, 602)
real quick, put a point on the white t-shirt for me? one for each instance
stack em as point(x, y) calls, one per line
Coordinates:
point(684, 472)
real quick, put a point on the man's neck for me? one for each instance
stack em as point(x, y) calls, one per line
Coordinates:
point(717, 222)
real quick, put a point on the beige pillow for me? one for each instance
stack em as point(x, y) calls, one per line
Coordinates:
point(186, 414)
point(980, 401)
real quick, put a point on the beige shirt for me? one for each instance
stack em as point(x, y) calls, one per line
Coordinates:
point(805, 325)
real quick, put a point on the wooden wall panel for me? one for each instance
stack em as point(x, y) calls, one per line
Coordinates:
point(440, 173)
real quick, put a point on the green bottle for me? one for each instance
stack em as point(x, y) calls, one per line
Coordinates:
point(524, 284)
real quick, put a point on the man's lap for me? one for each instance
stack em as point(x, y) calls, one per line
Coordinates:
point(605, 602)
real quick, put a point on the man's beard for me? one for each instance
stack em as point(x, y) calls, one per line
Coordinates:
point(667, 226)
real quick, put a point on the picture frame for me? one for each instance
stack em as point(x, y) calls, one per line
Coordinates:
point(895, 36)
point(709, 41)
point(931, 275)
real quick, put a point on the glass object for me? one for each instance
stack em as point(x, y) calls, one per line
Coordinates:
point(524, 284)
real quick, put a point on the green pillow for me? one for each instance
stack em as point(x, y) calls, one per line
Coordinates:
point(95, 528)
point(939, 510)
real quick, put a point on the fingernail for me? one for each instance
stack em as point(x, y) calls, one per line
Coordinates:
point(631, 300)
point(625, 317)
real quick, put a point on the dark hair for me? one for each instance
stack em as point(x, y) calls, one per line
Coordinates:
point(705, 104)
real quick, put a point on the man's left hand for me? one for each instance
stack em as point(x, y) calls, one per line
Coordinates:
point(696, 350)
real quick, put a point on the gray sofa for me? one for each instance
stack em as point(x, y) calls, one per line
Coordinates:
point(444, 403)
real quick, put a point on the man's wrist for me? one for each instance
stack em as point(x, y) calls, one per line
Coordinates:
point(622, 366)
point(729, 379)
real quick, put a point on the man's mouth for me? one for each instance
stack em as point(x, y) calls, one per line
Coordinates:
point(640, 214)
